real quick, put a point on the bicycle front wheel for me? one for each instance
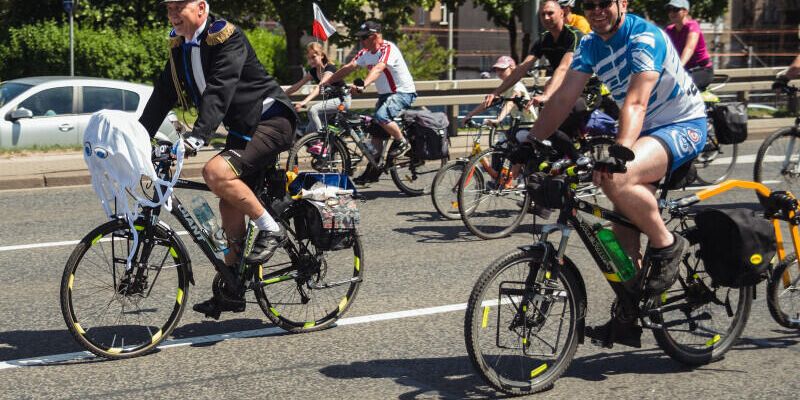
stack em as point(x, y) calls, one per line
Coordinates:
point(700, 321)
point(119, 313)
point(783, 293)
point(306, 289)
point(414, 177)
point(716, 162)
point(321, 152)
point(778, 161)
point(492, 204)
point(444, 190)
point(520, 331)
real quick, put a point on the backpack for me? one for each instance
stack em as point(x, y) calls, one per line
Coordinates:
point(737, 245)
point(427, 133)
point(730, 122)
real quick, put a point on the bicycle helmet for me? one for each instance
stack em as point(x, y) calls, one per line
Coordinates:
point(566, 3)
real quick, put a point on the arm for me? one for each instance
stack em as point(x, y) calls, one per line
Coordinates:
point(515, 76)
point(374, 73)
point(691, 45)
point(560, 104)
point(340, 74)
point(160, 102)
point(631, 115)
point(314, 92)
point(555, 81)
point(297, 85)
point(507, 108)
point(794, 69)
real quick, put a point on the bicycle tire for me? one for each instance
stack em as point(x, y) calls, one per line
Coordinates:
point(708, 165)
point(526, 374)
point(444, 190)
point(772, 167)
point(780, 292)
point(128, 340)
point(292, 304)
point(336, 159)
point(415, 180)
point(712, 329)
point(489, 212)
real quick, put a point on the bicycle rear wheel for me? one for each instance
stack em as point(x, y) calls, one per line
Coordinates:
point(321, 152)
point(783, 293)
point(116, 313)
point(522, 336)
point(716, 162)
point(444, 190)
point(491, 204)
point(778, 161)
point(306, 289)
point(700, 321)
point(414, 177)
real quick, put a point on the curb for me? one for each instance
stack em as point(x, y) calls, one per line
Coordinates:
point(58, 179)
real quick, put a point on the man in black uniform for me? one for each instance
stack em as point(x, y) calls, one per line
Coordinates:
point(557, 45)
point(213, 66)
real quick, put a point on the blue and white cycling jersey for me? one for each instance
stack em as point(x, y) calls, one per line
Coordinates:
point(640, 46)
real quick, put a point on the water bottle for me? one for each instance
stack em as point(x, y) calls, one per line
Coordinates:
point(620, 261)
point(205, 217)
point(359, 135)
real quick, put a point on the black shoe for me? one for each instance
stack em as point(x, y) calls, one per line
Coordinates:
point(398, 148)
point(370, 175)
point(265, 245)
point(664, 265)
point(615, 331)
point(213, 307)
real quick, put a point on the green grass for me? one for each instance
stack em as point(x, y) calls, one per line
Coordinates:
point(39, 149)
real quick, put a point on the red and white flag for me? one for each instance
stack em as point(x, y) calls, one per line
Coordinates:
point(322, 29)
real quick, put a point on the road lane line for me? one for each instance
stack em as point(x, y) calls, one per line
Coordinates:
point(55, 244)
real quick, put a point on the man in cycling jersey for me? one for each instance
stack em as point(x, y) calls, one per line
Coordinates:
point(572, 19)
point(662, 119)
point(212, 65)
point(393, 81)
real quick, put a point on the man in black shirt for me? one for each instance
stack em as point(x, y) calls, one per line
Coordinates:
point(557, 45)
point(213, 66)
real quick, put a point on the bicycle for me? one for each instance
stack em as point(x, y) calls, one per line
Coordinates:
point(341, 146)
point(526, 313)
point(716, 162)
point(492, 199)
point(778, 165)
point(116, 312)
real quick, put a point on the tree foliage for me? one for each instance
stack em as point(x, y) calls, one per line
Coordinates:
point(704, 10)
point(426, 59)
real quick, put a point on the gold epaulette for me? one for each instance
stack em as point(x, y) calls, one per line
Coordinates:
point(219, 32)
point(174, 39)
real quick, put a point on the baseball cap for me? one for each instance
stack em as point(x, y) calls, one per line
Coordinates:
point(368, 28)
point(504, 62)
point(678, 4)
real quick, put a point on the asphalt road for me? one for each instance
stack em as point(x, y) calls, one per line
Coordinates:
point(413, 261)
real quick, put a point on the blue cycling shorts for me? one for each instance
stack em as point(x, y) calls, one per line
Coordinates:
point(683, 140)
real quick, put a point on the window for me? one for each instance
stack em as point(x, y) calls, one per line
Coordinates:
point(50, 102)
point(99, 98)
point(10, 90)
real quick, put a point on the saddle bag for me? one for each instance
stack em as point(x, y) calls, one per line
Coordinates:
point(331, 224)
point(427, 133)
point(736, 245)
point(730, 122)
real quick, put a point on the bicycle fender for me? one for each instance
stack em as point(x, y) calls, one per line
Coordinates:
point(181, 246)
point(541, 251)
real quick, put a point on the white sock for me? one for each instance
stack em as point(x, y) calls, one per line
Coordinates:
point(266, 223)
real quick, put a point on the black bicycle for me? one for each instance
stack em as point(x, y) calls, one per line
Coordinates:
point(119, 312)
point(526, 313)
point(342, 145)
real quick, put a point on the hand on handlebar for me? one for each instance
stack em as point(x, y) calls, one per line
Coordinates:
point(614, 163)
point(488, 101)
point(537, 101)
point(356, 89)
point(192, 145)
point(299, 106)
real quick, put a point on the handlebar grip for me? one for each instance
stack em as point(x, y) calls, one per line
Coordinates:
point(783, 201)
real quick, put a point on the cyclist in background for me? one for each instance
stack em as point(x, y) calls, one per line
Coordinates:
point(687, 37)
point(393, 81)
point(319, 67)
point(662, 120)
point(793, 72)
point(503, 67)
point(572, 19)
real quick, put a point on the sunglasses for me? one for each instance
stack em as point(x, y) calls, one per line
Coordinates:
point(589, 6)
point(673, 9)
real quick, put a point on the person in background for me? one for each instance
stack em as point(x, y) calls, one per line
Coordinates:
point(319, 67)
point(572, 19)
point(503, 67)
point(793, 72)
point(687, 37)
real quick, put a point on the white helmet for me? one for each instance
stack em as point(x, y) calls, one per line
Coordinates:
point(566, 3)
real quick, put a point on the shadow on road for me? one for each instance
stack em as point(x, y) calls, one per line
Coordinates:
point(598, 367)
point(439, 234)
point(446, 377)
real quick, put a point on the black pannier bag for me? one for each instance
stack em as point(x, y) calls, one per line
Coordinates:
point(330, 224)
point(427, 133)
point(736, 245)
point(730, 122)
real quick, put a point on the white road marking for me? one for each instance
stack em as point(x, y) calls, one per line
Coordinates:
point(56, 244)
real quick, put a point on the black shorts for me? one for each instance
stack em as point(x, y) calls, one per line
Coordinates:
point(250, 159)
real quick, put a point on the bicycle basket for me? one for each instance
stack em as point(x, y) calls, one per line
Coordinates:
point(736, 245)
point(329, 224)
point(306, 180)
point(730, 122)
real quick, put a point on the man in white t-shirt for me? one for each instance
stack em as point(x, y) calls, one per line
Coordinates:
point(395, 86)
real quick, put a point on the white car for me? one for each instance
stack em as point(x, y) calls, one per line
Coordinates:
point(54, 110)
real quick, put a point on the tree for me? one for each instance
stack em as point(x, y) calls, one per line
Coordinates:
point(706, 10)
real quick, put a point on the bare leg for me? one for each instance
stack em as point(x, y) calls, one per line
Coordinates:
point(393, 130)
